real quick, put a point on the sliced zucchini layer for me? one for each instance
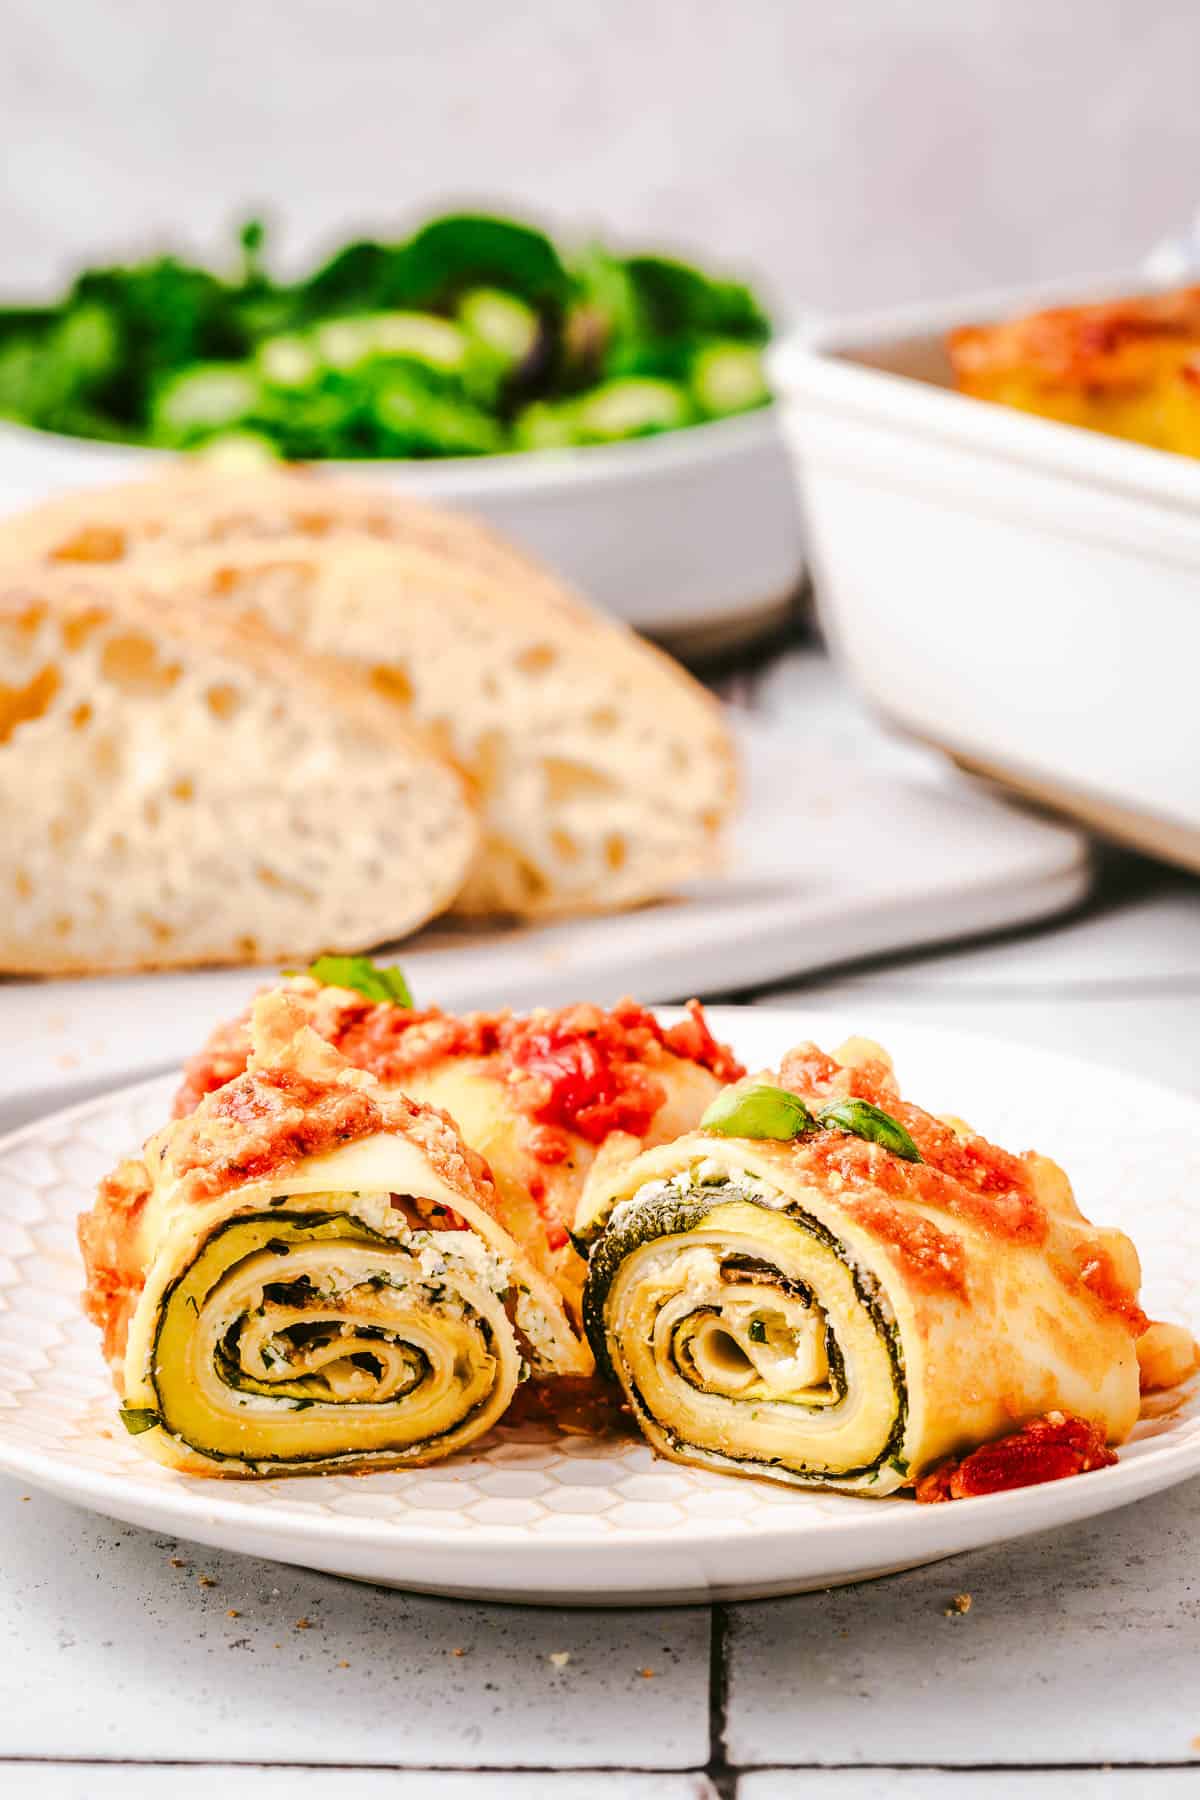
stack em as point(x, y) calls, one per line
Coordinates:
point(745, 1337)
point(306, 1340)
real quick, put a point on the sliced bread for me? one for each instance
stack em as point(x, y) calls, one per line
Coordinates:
point(606, 774)
point(181, 789)
point(194, 503)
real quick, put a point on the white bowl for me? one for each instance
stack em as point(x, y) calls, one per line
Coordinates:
point(1022, 593)
point(691, 535)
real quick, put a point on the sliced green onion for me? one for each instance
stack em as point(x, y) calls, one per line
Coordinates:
point(422, 336)
point(758, 1112)
point(864, 1120)
point(287, 361)
point(728, 378)
point(137, 1419)
point(500, 321)
point(364, 976)
point(203, 399)
point(232, 451)
point(545, 425)
point(634, 406)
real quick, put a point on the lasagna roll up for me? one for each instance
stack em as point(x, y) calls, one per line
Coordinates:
point(544, 1097)
point(311, 1274)
point(826, 1286)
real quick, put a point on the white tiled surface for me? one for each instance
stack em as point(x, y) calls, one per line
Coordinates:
point(1155, 1033)
point(1080, 1647)
point(1143, 935)
point(933, 1784)
point(61, 1781)
point(124, 1655)
point(39, 1781)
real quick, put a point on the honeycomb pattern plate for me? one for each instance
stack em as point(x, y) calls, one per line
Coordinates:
point(533, 1515)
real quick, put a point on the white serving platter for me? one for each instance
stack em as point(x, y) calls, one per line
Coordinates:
point(531, 1515)
point(831, 862)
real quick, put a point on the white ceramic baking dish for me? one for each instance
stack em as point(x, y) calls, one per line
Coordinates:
point(693, 536)
point(1023, 594)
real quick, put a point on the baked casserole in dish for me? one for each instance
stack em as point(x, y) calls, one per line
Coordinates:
point(1128, 367)
point(1016, 590)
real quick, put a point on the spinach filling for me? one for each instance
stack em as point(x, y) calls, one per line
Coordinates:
point(678, 1212)
point(307, 1228)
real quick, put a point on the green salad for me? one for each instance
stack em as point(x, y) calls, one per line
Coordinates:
point(473, 336)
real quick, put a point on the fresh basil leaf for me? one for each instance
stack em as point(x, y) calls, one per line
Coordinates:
point(862, 1119)
point(470, 250)
point(355, 279)
point(137, 1419)
point(364, 976)
point(758, 1112)
point(677, 300)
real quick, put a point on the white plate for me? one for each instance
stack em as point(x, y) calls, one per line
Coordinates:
point(830, 862)
point(531, 1516)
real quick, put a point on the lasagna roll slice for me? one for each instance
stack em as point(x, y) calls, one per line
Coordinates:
point(827, 1286)
point(545, 1097)
point(310, 1274)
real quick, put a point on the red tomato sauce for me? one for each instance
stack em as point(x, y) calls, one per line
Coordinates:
point(1046, 1449)
point(1099, 1276)
point(582, 1069)
point(969, 1177)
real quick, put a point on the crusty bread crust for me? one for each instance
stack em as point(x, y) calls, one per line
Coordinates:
point(195, 504)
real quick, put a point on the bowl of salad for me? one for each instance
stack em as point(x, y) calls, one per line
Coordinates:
point(608, 411)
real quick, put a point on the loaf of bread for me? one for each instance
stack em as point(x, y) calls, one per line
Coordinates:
point(194, 503)
point(604, 773)
point(186, 788)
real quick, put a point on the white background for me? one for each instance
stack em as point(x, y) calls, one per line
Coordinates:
point(855, 152)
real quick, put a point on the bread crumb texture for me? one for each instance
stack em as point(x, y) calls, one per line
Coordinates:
point(175, 791)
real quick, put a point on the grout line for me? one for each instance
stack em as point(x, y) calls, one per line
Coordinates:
point(718, 1770)
point(345, 1768)
point(935, 1768)
point(723, 1775)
